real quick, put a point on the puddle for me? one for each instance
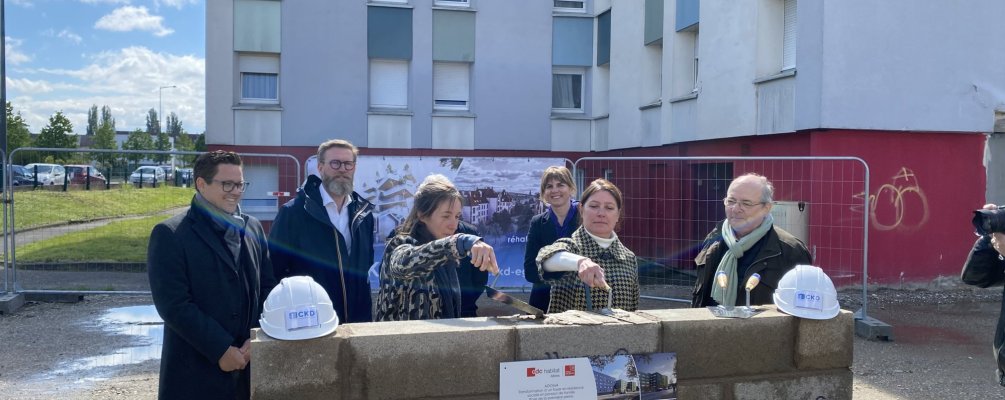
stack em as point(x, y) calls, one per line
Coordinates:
point(140, 322)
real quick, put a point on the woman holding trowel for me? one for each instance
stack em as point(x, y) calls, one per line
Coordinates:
point(593, 265)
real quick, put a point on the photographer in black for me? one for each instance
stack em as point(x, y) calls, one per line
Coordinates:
point(985, 267)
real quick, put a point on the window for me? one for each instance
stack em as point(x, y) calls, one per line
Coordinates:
point(257, 87)
point(452, 3)
point(789, 35)
point(389, 84)
point(259, 79)
point(451, 83)
point(570, 5)
point(694, 64)
point(567, 90)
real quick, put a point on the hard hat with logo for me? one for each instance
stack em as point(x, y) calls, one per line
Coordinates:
point(298, 308)
point(807, 292)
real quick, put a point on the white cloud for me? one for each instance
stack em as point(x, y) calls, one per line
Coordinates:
point(12, 52)
point(129, 18)
point(69, 35)
point(126, 80)
point(22, 3)
point(105, 1)
point(174, 3)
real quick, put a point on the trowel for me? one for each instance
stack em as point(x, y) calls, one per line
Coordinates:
point(511, 301)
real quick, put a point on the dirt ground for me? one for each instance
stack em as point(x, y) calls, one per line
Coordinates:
point(941, 348)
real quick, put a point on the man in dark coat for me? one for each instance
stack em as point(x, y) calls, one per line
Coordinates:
point(209, 275)
point(985, 268)
point(751, 245)
point(327, 233)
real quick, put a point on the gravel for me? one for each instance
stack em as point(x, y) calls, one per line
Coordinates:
point(941, 348)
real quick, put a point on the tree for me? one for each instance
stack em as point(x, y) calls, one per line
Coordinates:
point(137, 140)
point(57, 134)
point(174, 126)
point(92, 120)
point(106, 117)
point(17, 132)
point(153, 123)
point(185, 143)
point(200, 142)
point(104, 139)
point(163, 144)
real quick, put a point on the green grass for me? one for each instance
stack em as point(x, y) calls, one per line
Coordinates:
point(120, 241)
point(44, 207)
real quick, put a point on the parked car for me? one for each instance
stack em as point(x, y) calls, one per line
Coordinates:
point(184, 176)
point(47, 174)
point(149, 174)
point(20, 176)
point(79, 173)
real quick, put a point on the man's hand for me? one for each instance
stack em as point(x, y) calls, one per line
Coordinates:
point(246, 351)
point(232, 360)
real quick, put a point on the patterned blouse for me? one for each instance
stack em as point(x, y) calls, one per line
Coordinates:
point(620, 267)
point(408, 285)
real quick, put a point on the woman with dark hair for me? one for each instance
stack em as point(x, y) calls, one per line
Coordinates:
point(592, 264)
point(558, 221)
point(418, 275)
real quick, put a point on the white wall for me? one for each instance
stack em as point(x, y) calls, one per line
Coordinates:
point(221, 72)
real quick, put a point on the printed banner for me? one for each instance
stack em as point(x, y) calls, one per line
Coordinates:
point(500, 195)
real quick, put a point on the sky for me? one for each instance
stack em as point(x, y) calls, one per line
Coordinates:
point(66, 55)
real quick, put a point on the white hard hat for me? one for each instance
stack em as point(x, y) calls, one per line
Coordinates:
point(298, 308)
point(807, 292)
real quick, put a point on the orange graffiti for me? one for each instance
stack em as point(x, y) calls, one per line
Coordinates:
point(895, 202)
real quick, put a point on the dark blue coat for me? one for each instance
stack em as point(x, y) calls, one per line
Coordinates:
point(303, 241)
point(206, 308)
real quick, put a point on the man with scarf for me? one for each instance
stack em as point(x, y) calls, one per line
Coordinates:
point(209, 274)
point(745, 243)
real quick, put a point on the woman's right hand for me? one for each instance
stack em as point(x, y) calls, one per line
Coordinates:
point(483, 257)
point(591, 274)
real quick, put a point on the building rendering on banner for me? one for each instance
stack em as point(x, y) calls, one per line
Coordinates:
point(912, 87)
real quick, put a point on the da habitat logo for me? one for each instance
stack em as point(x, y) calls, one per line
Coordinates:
point(569, 370)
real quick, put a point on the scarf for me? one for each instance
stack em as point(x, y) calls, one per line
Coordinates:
point(232, 225)
point(727, 296)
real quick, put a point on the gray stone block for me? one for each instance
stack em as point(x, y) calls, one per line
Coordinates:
point(11, 302)
point(710, 347)
point(709, 391)
point(537, 341)
point(825, 344)
point(834, 385)
point(418, 359)
point(299, 369)
point(873, 329)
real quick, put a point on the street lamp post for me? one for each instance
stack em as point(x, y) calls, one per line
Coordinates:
point(160, 115)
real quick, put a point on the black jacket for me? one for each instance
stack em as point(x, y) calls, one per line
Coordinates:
point(472, 280)
point(779, 252)
point(984, 268)
point(303, 241)
point(198, 292)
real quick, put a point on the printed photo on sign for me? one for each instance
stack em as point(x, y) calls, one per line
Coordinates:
point(657, 375)
point(635, 376)
point(500, 197)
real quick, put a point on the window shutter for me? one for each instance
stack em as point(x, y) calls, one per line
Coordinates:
point(388, 84)
point(789, 36)
point(450, 85)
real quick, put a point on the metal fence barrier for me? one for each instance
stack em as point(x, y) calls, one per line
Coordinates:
point(672, 203)
point(78, 230)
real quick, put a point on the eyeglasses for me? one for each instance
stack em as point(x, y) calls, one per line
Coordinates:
point(336, 164)
point(745, 205)
point(229, 186)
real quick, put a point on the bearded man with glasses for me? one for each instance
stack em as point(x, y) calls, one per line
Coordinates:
point(745, 243)
point(327, 233)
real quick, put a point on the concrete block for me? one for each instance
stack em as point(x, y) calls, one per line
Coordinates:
point(298, 369)
point(420, 359)
point(834, 385)
point(538, 341)
point(710, 347)
point(708, 391)
point(873, 329)
point(54, 297)
point(10, 302)
point(825, 344)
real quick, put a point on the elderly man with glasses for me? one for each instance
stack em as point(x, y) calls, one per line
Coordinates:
point(327, 233)
point(745, 243)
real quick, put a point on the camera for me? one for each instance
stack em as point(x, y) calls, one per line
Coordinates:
point(989, 221)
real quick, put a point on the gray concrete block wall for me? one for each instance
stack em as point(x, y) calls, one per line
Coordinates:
point(772, 355)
